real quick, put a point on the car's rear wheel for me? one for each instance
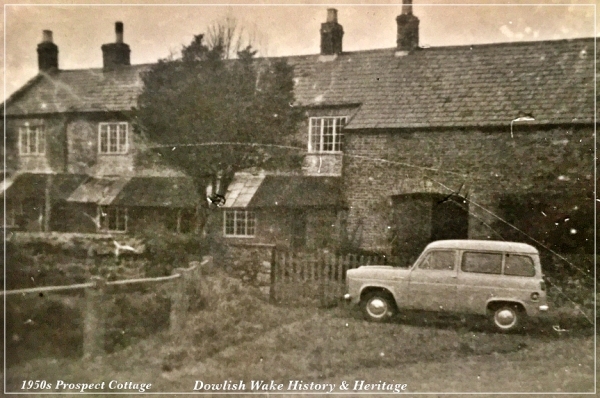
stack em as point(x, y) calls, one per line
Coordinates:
point(378, 306)
point(507, 317)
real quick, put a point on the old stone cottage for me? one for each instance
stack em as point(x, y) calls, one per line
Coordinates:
point(404, 145)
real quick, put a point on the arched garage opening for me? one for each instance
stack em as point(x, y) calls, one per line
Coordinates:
point(420, 218)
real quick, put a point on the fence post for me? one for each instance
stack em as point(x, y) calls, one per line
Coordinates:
point(179, 301)
point(93, 319)
point(272, 288)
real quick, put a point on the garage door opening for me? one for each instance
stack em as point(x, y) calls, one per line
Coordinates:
point(421, 218)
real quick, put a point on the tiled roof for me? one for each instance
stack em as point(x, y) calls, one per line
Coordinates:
point(81, 90)
point(476, 85)
point(174, 192)
point(479, 85)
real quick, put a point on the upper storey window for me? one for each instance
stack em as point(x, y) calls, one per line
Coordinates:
point(325, 134)
point(112, 138)
point(32, 140)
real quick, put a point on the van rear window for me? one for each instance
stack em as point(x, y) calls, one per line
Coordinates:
point(484, 263)
point(519, 265)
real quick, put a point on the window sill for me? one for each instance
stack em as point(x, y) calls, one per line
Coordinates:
point(113, 154)
point(32, 155)
point(326, 153)
point(240, 236)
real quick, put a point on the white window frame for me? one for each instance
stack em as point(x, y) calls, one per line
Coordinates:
point(32, 136)
point(104, 212)
point(239, 217)
point(316, 129)
point(122, 128)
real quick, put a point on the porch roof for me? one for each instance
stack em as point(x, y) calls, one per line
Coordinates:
point(298, 192)
point(33, 185)
point(175, 192)
point(99, 190)
point(283, 191)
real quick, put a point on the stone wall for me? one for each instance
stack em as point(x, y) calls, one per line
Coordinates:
point(483, 165)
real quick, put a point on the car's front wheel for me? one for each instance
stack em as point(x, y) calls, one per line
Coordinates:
point(507, 317)
point(378, 306)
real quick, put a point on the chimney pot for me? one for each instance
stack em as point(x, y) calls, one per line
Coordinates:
point(47, 36)
point(119, 31)
point(332, 15)
point(407, 7)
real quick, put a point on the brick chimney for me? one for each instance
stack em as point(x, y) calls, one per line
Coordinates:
point(408, 29)
point(47, 53)
point(331, 34)
point(117, 53)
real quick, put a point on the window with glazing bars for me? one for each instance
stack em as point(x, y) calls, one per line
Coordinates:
point(112, 138)
point(325, 134)
point(32, 140)
point(239, 223)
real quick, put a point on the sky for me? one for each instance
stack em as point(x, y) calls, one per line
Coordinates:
point(155, 30)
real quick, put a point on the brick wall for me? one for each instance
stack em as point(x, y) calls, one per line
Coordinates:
point(487, 164)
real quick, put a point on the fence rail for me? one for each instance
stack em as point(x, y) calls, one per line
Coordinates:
point(319, 277)
point(182, 283)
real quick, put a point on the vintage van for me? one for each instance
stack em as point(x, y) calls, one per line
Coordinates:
point(502, 280)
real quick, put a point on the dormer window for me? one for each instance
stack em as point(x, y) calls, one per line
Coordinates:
point(32, 140)
point(325, 134)
point(112, 138)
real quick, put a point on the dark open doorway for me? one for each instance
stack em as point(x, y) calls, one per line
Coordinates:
point(420, 218)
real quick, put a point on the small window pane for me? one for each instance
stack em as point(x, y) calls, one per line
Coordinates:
point(112, 140)
point(519, 265)
point(123, 138)
point(23, 140)
point(484, 263)
point(439, 260)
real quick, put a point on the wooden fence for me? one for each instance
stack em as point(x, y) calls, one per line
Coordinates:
point(317, 278)
point(183, 285)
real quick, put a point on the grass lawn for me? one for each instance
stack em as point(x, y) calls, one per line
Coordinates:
point(240, 337)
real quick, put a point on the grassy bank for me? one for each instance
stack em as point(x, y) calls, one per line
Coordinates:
point(237, 335)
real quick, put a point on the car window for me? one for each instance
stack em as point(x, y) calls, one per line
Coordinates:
point(439, 260)
point(484, 263)
point(517, 265)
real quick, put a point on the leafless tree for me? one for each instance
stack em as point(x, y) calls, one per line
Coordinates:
point(233, 36)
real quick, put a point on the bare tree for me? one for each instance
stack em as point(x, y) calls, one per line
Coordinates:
point(228, 35)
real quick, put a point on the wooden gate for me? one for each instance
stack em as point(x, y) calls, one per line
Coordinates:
point(313, 278)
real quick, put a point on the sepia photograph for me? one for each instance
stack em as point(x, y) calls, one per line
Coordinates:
point(313, 198)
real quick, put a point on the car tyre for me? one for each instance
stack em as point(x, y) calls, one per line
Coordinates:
point(507, 318)
point(378, 306)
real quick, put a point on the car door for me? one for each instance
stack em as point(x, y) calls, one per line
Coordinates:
point(479, 280)
point(433, 282)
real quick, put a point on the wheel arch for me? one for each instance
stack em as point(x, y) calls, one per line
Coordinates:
point(493, 304)
point(376, 288)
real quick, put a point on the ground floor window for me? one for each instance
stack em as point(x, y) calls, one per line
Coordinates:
point(113, 218)
point(239, 223)
point(14, 210)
